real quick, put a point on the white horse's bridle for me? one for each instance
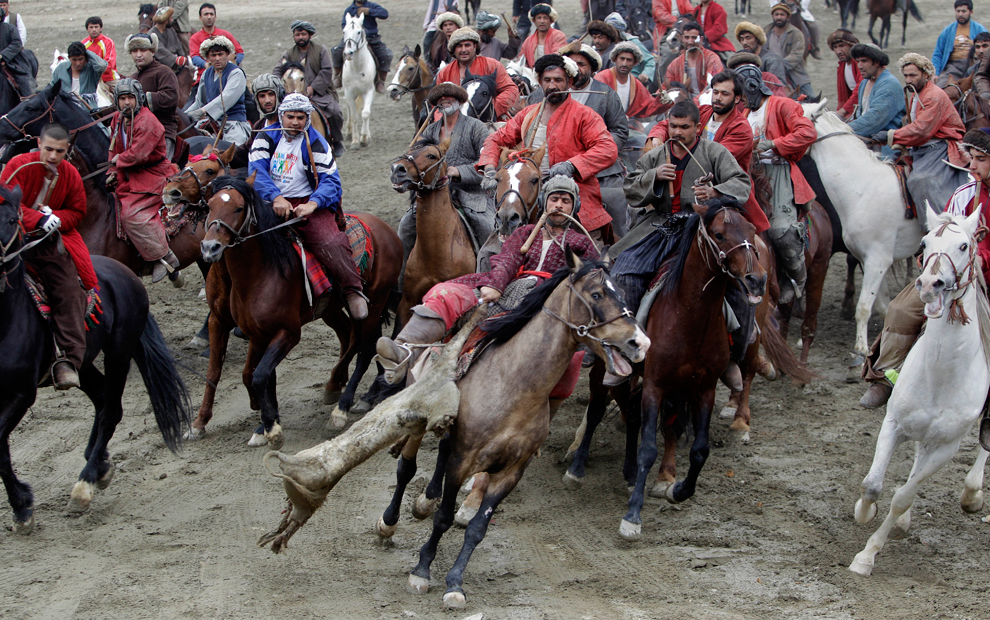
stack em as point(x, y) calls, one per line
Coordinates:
point(354, 43)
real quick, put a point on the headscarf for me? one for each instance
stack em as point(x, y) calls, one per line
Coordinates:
point(295, 102)
point(303, 25)
point(615, 20)
point(487, 21)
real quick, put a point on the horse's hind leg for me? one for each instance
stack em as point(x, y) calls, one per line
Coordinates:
point(848, 309)
point(887, 442)
point(419, 578)
point(472, 503)
point(631, 526)
point(972, 495)
point(404, 472)
point(366, 117)
point(107, 390)
point(19, 493)
point(264, 384)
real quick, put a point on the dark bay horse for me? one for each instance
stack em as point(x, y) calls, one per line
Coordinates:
point(413, 76)
point(973, 109)
point(497, 426)
point(882, 10)
point(481, 96)
point(256, 283)
point(126, 331)
point(519, 183)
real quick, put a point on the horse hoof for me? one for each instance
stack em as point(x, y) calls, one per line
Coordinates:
point(417, 585)
point(202, 293)
point(659, 489)
point(338, 420)
point(330, 397)
point(106, 478)
point(383, 530)
point(178, 280)
point(275, 436)
point(464, 515)
point(257, 440)
point(80, 497)
point(669, 495)
point(973, 505)
point(740, 425)
point(854, 374)
point(864, 515)
point(454, 600)
point(861, 567)
point(194, 434)
point(630, 531)
point(24, 527)
point(361, 407)
point(197, 343)
point(424, 507)
point(727, 412)
point(572, 482)
point(620, 424)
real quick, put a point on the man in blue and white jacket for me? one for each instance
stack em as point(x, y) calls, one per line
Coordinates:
point(881, 98)
point(951, 55)
point(221, 90)
point(295, 171)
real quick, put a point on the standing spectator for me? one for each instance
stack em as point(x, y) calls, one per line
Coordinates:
point(754, 40)
point(15, 20)
point(545, 40)
point(786, 40)
point(430, 25)
point(208, 17)
point(951, 56)
point(712, 18)
point(81, 73)
point(102, 46)
point(158, 83)
point(181, 24)
point(848, 76)
point(520, 17)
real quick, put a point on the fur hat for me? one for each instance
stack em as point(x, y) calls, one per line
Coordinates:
point(216, 41)
point(143, 41)
point(543, 9)
point(585, 50)
point(163, 14)
point(977, 139)
point(840, 36)
point(743, 58)
point(753, 29)
point(449, 17)
point(605, 29)
point(447, 89)
point(463, 34)
point(783, 6)
point(626, 46)
point(913, 58)
point(555, 60)
point(870, 52)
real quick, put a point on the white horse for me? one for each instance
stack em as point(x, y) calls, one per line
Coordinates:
point(867, 197)
point(358, 78)
point(942, 386)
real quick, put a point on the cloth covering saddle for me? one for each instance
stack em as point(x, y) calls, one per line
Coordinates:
point(174, 219)
point(94, 306)
point(318, 283)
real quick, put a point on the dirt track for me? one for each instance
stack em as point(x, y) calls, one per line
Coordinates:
point(768, 535)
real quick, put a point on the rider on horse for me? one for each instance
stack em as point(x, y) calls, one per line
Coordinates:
point(464, 44)
point(603, 37)
point(692, 68)
point(753, 39)
point(491, 46)
point(171, 51)
point(786, 40)
point(545, 40)
point(140, 169)
point(268, 95)
point(296, 172)
point(383, 57)
point(513, 274)
point(436, 51)
point(158, 82)
point(53, 199)
point(879, 100)
point(221, 91)
point(13, 60)
point(83, 69)
point(637, 102)
point(848, 76)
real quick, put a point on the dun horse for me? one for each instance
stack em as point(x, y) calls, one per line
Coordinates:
point(294, 80)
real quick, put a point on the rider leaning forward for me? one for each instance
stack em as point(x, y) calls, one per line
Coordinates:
point(296, 172)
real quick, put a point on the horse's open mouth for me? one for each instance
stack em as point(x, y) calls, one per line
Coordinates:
point(402, 187)
point(616, 362)
point(934, 309)
point(754, 300)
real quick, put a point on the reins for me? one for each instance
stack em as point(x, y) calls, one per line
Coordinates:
point(418, 77)
point(704, 239)
point(249, 220)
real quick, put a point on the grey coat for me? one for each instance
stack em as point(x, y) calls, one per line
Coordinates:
point(772, 63)
point(792, 53)
point(464, 152)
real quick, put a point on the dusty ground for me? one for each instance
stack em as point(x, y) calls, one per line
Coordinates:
point(174, 536)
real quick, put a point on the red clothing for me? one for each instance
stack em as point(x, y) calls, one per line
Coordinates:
point(963, 203)
point(141, 166)
point(792, 134)
point(67, 200)
point(931, 115)
point(641, 102)
point(575, 133)
point(715, 27)
point(736, 135)
point(709, 64)
point(506, 91)
point(196, 39)
point(848, 99)
point(663, 16)
point(104, 48)
point(554, 40)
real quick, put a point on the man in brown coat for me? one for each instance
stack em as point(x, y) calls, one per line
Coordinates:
point(161, 88)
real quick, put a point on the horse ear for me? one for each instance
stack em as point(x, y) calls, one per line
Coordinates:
point(228, 155)
point(504, 156)
point(417, 51)
point(573, 260)
point(250, 179)
point(15, 195)
point(931, 217)
point(699, 209)
point(445, 145)
point(53, 90)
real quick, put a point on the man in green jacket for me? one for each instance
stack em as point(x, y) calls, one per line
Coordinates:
point(81, 73)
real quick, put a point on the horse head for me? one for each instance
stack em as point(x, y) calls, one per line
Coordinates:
point(949, 261)
point(731, 239)
point(146, 14)
point(192, 185)
point(232, 214)
point(411, 74)
point(57, 59)
point(354, 37)
point(294, 78)
point(519, 182)
point(28, 117)
point(813, 110)
point(423, 167)
point(523, 77)
point(481, 96)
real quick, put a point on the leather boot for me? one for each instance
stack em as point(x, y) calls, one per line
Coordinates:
point(793, 273)
point(357, 304)
point(425, 326)
point(337, 85)
point(166, 265)
point(877, 395)
point(380, 82)
point(732, 377)
point(64, 375)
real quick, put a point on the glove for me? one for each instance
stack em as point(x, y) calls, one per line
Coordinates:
point(565, 168)
point(489, 183)
point(197, 114)
point(880, 136)
point(50, 222)
point(764, 145)
point(181, 61)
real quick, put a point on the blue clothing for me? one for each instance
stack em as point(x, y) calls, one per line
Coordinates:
point(946, 41)
point(327, 193)
point(211, 90)
point(199, 62)
point(375, 12)
point(886, 106)
point(89, 77)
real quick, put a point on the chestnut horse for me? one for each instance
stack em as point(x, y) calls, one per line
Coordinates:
point(519, 183)
point(413, 76)
point(256, 282)
point(973, 109)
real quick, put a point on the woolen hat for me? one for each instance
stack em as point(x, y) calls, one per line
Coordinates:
point(163, 14)
point(450, 17)
point(913, 58)
point(302, 25)
point(753, 29)
point(628, 47)
point(585, 50)
point(463, 34)
point(216, 41)
point(839, 36)
point(600, 27)
point(782, 6)
point(743, 58)
point(870, 52)
point(543, 9)
point(142, 41)
point(447, 89)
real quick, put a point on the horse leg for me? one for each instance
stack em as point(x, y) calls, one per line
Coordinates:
point(105, 392)
point(633, 421)
point(366, 117)
point(219, 335)
point(426, 503)
point(667, 473)
point(632, 524)
point(404, 472)
point(927, 462)
point(812, 303)
point(19, 494)
point(869, 30)
point(264, 384)
point(873, 272)
point(574, 476)
point(254, 354)
point(887, 442)
point(848, 309)
point(972, 495)
point(904, 29)
point(419, 578)
point(202, 337)
point(701, 417)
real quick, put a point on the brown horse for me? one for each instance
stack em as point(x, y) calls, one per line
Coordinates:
point(973, 109)
point(186, 75)
point(192, 188)
point(882, 10)
point(498, 414)
point(256, 282)
point(517, 193)
point(412, 76)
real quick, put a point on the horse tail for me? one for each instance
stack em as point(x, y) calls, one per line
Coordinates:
point(781, 355)
point(169, 397)
point(914, 10)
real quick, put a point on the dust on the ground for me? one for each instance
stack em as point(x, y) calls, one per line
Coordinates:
point(175, 536)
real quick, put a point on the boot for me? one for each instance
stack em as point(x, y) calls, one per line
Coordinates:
point(380, 82)
point(337, 85)
point(64, 375)
point(793, 272)
point(165, 265)
point(732, 377)
point(877, 395)
point(357, 304)
point(425, 326)
point(985, 433)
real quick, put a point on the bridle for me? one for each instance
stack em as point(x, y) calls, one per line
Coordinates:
point(479, 114)
point(437, 182)
point(188, 171)
point(358, 41)
point(250, 219)
point(415, 83)
point(957, 285)
point(48, 110)
point(584, 331)
point(961, 107)
point(514, 157)
point(705, 241)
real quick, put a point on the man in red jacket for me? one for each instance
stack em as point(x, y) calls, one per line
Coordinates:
point(848, 76)
point(712, 18)
point(692, 68)
point(53, 200)
point(545, 40)
point(637, 102)
point(464, 44)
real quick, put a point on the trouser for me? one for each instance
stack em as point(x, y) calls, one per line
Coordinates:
point(786, 233)
point(142, 222)
point(383, 56)
point(901, 328)
point(238, 132)
point(614, 201)
point(955, 68)
point(325, 239)
point(65, 297)
point(183, 38)
point(932, 179)
point(805, 89)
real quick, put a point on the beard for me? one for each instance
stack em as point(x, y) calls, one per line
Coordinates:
point(720, 109)
point(555, 97)
point(780, 23)
point(581, 80)
point(962, 20)
point(449, 109)
point(302, 43)
point(485, 37)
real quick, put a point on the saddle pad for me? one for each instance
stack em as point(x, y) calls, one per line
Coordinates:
point(94, 306)
point(317, 276)
point(910, 211)
point(470, 351)
point(359, 237)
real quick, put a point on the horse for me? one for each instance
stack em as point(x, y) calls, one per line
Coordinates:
point(294, 81)
point(496, 427)
point(413, 76)
point(866, 195)
point(125, 330)
point(471, 6)
point(517, 193)
point(937, 397)
point(882, 10)
point(257, 283)
point(973, 109)
point(146, 16)
point(481, 91)
point(525, 80)
point(848, 9)
point(358, 78)
point(743, 6)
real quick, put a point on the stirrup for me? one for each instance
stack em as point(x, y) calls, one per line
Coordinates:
point(394, 372)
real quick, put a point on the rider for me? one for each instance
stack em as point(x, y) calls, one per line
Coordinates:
point(464, 44)
point(268, 94)
point(140, 170)
point(666, 13)
point(785, 40)
point(81, 73)
point(102, 46)
point(692, 68)
point(436, 53)
point(318, 69)
point(847, 72)
point(646, 70)
point(578, 143)
point(12, 58)
point(712, 17)
point(603, 37)
point(467, 138)
point(754, 40)
point(383, 57)
point(171, 52)
point(879, 98)
point(951, 56)
point(14, 19)
point(637, 102)
point(775, 84)
point(208, 17)
point(906, 313)
point(160, 86)
point(781, 136)
point(221, 91)
point(492, 46)
point(931, 129)
point(53, 199)
point(446, 302)
point(545, 40)
point(181, 24)
point(431, 27)
point(296, 172)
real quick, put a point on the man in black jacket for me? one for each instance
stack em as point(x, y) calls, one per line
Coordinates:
point(12, 58)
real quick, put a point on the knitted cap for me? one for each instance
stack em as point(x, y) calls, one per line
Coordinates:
point(462, 34)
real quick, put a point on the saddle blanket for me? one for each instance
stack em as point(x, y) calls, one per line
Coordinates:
point(174, 219)
point(359, 236)
point(94, 306)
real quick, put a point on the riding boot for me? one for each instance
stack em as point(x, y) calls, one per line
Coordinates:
point(380, 82)
point(337, 84)
point(877, 395)
point(64, 375)
point(732, 377)
point(357, 304)
point(165, 265)
point(792, 273)
point(425, 326)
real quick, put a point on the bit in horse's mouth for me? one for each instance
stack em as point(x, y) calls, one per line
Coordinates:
point(935, 308)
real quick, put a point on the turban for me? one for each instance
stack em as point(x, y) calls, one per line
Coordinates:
point(487, 21)
point(303, 25)
point(783, 6)
point(912, 58)
point(615, 20)
point(163, 14)
point(295, 102)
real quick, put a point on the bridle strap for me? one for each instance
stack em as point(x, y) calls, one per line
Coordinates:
point(584, 330)
point(48, 110)
point(529, 208)
point(437, 182)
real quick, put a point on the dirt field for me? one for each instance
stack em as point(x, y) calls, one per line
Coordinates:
point(768, 535)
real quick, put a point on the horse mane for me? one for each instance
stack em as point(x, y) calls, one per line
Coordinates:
point(146, 9)
point(502, 327)
point(675, 264)
point(293, 65)
point(425, 141)
point(833, 124)
point(276, 246)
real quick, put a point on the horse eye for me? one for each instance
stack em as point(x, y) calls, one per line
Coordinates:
point(535, 181)
point(596, 296)
point(964, 247)
point(719, 237)
point(238, 209)
point(211, 171)
point(432, 156)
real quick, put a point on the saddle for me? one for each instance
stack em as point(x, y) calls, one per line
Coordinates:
point(174, 218)
point(94, 306)
point(318, 283)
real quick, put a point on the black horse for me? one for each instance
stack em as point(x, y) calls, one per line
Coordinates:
point(481, 96)
point(126, 330)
